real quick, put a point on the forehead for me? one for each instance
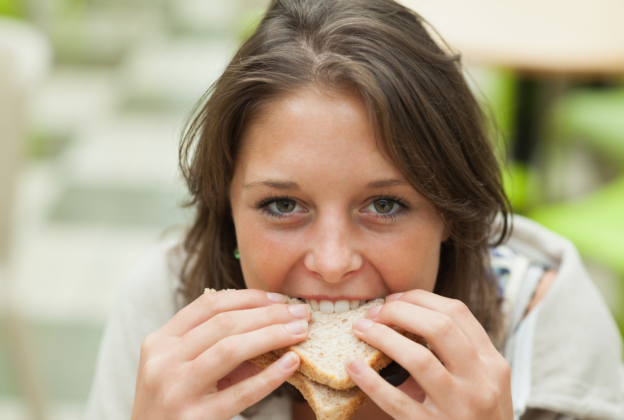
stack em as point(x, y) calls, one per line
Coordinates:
point(313, 132)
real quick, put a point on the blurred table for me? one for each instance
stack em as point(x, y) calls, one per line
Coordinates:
point(545, 37)
point(538, 39)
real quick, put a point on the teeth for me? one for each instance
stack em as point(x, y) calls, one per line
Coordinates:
point(315, 305)
point(327, 307)
point(341, 306)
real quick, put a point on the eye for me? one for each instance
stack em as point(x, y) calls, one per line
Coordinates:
point(383, 206)
point(280, 208)
point(283, 206)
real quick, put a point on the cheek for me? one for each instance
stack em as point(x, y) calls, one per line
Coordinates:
point(410, 260)
point(266, 257)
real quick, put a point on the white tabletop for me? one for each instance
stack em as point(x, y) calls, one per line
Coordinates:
point(543, 36)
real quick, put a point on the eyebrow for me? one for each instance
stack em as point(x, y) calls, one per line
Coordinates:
point(386, 183)
point(280, 185)
point(289, 185)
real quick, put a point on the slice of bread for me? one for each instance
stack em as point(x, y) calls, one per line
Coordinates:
point(330, 342)
point(327, 403)
point(321, 377)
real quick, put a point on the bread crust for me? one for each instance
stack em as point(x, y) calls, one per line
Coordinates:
point(308, 368)
point(350, 402)
point(327, 403)
point(377, 361)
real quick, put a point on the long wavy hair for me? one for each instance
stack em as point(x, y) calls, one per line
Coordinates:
point(423, 112)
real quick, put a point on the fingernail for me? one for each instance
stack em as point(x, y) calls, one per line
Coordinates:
point(287, 361)
point(298, 311)
point(276, 297)
point(394, 296)
point(372, 312)
point(362, 324)
point(356, 365)
point(297, 327)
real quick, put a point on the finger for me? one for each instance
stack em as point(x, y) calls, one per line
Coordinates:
point(457, 310)
point(209, 304)
point(227, 354)
point(390, 399)
point(413, 390)
point(240, 373)
point(229, 323)
point(230, 402)
point(444, 336)
point(422, 365)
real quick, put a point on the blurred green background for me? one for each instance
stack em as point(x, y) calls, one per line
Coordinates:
point(97, 181)
point(107, 88)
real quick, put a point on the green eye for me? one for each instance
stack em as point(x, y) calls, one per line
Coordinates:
point(384, 206)
point(285, 206)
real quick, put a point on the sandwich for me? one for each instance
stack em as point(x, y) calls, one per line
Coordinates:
point(321, 377)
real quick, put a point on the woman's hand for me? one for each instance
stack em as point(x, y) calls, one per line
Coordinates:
point(195, 366)
point(471, 380)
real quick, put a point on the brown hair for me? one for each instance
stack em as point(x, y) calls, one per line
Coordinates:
point(421, 107)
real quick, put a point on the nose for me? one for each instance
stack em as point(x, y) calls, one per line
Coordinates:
point(333, 254)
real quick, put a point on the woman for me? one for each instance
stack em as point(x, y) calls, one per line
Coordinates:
point(341, 156)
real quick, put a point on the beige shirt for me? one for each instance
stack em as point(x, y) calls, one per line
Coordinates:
point(566, 355)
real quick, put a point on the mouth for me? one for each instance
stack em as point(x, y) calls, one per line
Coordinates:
point(330, 307)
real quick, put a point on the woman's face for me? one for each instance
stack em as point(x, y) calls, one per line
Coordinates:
point(321, 213)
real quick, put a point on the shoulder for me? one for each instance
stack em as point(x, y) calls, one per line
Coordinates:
point(148, 297)
point(566, 354)
point(146, 300)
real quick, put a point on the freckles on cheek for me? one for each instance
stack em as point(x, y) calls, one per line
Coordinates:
point(270, 260)
point(406, 263)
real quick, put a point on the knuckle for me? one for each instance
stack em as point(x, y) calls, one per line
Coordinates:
point(489, 398)
point(259, 295)
point(443, 325)
point(244, 394)
point(421, 362)
point(393, 309)
point(387, 311)
point(173, 399)
point(418, 293)
point(269, 380)
point(459, 308)
point(373, 385)
point(275, 313)
point(207, 300)
point(193, 411)
point(228, 348)
point(400, 406)
point(219, 408)
point(147, 344)
point(223, 322)
point(445, 380)
point(152, 373)
point(504, 370)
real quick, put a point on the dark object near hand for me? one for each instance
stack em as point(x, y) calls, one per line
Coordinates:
point(394, 374)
